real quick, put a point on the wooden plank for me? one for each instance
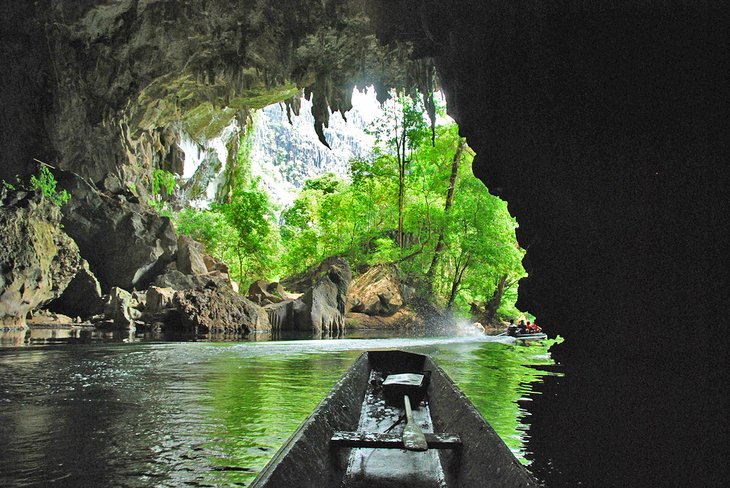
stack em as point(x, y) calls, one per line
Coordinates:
point(379, 440)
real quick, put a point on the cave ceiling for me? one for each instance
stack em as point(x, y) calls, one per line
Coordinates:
point(112, 83)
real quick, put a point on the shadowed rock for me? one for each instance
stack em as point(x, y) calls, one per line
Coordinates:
point(126, 245)
point(82, 297)
point(37, 259)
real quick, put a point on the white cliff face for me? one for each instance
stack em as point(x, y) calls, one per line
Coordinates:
point(285, 155)
point(204, 166)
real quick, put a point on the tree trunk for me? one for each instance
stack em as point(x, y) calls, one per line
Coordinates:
point(401, 198)
point(449, 201)
point(400, 153)
point(240, 266)
point(493, 304)
point(456, 282)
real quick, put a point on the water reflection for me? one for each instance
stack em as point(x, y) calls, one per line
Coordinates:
point(207, 413)
point(87, 335)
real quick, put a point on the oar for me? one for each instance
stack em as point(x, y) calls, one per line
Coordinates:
point(413, 438)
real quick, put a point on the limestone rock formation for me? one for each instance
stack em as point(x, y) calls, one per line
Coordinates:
point(216, 268)
point(37, 258)
point(217, 309)
point(173, 278)
point(322, 307)
point(376, 292)
point(82, 297)
point(190, 256)
point(125, 244)
point(158, 300)
point(265, 293)
point(122, 308)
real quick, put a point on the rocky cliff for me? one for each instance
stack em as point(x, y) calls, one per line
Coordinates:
point(37, 258)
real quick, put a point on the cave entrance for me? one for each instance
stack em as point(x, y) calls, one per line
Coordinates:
point(387, 185)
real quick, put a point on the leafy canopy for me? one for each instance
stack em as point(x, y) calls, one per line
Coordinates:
point(392, 209)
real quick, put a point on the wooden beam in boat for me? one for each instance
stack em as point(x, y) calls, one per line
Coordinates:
point(379, 440)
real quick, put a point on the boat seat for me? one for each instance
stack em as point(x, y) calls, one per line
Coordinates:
point(380, 440)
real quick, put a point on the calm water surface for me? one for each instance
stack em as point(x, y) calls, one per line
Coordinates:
point(211, 414)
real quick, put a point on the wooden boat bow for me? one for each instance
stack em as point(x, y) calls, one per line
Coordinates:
point(349, 440)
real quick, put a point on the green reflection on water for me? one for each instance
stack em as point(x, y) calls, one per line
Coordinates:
point(257, 402)
point(496, 377)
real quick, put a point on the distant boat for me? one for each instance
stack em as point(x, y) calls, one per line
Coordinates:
point(395, 419)
point(527, 337)
point(514, 331)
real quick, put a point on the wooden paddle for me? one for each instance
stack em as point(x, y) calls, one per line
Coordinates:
point(413, 438)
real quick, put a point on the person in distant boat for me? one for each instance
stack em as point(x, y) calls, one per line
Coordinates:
point(523, 327)
point(512, 328)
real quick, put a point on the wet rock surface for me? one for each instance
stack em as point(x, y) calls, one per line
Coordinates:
point(216, 309)
point(37, 259)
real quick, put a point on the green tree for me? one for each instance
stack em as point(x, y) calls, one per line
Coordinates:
point(401, 129)
point(248, 213)
point(209, 227)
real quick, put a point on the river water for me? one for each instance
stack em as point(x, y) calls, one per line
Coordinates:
point(178, 414)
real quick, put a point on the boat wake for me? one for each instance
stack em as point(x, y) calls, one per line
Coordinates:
point(324, 345)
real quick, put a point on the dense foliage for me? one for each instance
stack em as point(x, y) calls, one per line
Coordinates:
point(415, 203)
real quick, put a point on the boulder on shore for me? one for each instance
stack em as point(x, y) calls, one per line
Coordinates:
point(377, 292)
point(217, 309)
point(158, 300)
point(322, 307)
point(37, 258)
point(190, 257)
point(126, 244)
point(122, 307)
point(264, 293)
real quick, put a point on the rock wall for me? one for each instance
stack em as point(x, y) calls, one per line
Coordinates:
point(37, 259)
point(602, 126)
point(95, 87)
point(126, 244)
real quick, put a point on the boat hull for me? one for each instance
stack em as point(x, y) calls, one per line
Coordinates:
point(531, 337)
point(308, 460)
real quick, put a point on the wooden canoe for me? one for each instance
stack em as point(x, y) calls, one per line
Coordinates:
point(353, 438)
point(535, 336)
